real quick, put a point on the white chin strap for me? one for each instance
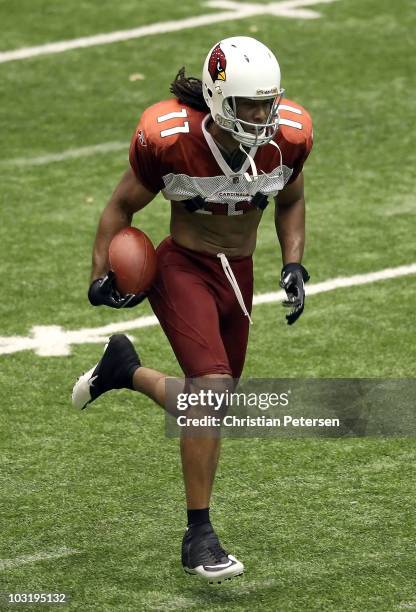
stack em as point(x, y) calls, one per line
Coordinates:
point(253, 166)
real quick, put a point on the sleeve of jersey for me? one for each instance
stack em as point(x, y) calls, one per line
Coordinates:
point(304, 149)
point(144, 160)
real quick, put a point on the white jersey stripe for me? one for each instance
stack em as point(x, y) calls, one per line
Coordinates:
point(290, 123)
point(289, 108)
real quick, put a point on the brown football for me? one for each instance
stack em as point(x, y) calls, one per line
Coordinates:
point(133, 260)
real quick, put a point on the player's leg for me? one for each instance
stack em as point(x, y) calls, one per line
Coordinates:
point(202, 553)
point(200, 447)
point(185, 303)
point(120, 368)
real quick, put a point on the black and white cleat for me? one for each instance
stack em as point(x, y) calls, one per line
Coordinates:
point(203, 555)
point(114, 371)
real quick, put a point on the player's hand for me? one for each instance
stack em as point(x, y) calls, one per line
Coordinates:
point(103, 291)
point(292, 279)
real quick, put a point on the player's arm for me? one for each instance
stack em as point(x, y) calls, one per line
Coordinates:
point(290, 229)
point(290, 221)
point(128, 197)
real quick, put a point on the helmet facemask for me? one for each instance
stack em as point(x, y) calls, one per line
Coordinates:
point(245, 132)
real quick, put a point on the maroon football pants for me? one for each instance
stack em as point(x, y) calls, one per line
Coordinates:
point(198, 309)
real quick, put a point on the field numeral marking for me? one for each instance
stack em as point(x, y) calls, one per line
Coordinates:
point(179, 128)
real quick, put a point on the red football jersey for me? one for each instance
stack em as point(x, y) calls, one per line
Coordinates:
point(172, 151)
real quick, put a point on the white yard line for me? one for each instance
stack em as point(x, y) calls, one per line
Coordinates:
point(42, 160)
point(342, 282)
point(232, 12)
point(237, 10)
point(53, 340)
point(39, 556)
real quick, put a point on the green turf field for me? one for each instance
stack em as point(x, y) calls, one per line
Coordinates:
point(319, 524)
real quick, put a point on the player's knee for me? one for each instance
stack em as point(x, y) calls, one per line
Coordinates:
point(214, 392)
point(216, 383)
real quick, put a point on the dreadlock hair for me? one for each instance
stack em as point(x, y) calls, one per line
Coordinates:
point(188, 90)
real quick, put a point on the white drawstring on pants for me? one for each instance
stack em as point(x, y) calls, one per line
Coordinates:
point(233, 282)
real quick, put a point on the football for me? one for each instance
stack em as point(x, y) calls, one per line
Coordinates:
point(133, 260)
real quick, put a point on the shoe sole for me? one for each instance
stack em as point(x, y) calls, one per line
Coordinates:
point(211, 579)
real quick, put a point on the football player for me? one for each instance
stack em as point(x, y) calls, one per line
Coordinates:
point(218, 151)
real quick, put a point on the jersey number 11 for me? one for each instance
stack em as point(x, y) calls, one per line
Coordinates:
point(179, 128)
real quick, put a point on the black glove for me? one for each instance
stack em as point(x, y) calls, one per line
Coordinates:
point(292, 279)
point(103, 292)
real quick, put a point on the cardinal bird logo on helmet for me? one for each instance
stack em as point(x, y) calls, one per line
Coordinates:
point(217, 64)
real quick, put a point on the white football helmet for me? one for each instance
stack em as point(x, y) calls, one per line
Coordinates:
point(242, 67)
